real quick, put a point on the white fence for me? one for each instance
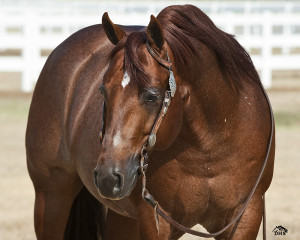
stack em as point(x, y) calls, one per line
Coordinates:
point(270, 31)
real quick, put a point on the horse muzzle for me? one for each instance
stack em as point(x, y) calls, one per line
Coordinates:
point(115, 183)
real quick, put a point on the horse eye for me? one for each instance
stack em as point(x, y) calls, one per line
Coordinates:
point(152, 98)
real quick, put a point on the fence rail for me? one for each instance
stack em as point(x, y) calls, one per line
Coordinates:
point(270, 31)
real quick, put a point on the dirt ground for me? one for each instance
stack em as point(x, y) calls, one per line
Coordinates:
point(17, 195)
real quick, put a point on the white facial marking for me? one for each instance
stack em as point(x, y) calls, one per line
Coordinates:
point(117, 139)
point(125, 80)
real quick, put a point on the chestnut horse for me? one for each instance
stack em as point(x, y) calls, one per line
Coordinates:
point(204, 157)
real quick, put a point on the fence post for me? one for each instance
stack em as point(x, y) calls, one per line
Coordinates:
point(266, 70)
point(30, 52)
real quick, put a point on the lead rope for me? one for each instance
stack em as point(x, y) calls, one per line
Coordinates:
point(144, 156)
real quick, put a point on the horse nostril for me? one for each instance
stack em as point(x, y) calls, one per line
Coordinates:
point(109, 182)
point(95, 178)
point(119, 181)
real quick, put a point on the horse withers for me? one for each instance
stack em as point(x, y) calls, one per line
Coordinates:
point(179, 92)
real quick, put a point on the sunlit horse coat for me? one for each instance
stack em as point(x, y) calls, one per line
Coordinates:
point(210, 146)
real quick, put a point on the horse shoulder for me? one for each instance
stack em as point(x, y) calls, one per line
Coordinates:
point(45, 136)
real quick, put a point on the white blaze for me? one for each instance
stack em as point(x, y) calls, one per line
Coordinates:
point(125, 80)
point(117, 139)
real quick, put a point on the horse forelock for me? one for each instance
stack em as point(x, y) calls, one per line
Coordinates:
point(132, 45)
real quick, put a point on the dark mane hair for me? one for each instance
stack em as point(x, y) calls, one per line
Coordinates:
point(132, 45)
point(181, 24)
point(185, 22)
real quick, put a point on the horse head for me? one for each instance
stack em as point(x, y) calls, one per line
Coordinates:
point(134, 89)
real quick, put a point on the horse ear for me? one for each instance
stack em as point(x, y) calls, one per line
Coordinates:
point(113, 32)
point(154, 33)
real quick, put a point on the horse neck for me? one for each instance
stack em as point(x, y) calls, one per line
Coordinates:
point(209, 102)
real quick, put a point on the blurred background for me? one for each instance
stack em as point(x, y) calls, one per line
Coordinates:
point(31, 29)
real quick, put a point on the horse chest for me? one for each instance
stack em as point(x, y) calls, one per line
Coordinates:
point(224, 192)
point(179, 192)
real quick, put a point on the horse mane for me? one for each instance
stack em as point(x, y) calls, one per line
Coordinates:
point(181, 24)
point(132, 45)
